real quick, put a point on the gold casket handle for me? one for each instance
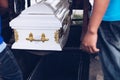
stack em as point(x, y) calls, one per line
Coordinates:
point(31, 38)
point(43, 38)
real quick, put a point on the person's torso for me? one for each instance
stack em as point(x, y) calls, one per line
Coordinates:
point(1, 40)
point(113, 11)
point(2, 43)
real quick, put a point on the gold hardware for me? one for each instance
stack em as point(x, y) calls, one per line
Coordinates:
point(31, 38)
point(16, 35)
point(43, 38)
point(56, 36)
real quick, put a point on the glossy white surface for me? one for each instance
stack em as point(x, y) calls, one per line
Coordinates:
point(22, 43)
point(45, 17)
point(36, 22)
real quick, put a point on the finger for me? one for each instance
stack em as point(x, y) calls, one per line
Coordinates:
point(95, 50)
point(86, 49)
point(91, 50)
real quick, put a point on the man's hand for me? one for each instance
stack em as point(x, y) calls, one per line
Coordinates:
point(89, 42)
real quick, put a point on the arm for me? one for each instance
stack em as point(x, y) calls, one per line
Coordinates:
point(3, 6)
point(99, 8)
point(4, 3)
point(90, 39)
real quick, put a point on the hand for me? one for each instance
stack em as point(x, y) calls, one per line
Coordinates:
point(89, 42)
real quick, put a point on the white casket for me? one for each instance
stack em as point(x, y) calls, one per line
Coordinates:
point(43, 26)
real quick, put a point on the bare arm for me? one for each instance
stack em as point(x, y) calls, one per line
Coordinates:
point(4, 3)
point(90, 39)
point(99, 8)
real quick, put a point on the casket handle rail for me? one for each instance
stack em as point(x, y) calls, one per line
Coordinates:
point(31, 38)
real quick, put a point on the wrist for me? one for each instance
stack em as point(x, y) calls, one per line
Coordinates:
point(92, 31)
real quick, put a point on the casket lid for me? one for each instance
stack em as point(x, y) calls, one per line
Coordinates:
point(46, 14)
point(39, 8)
point(36, 22)
point(48, 7)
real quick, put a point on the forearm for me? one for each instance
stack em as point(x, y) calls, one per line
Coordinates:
point(99, 8)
